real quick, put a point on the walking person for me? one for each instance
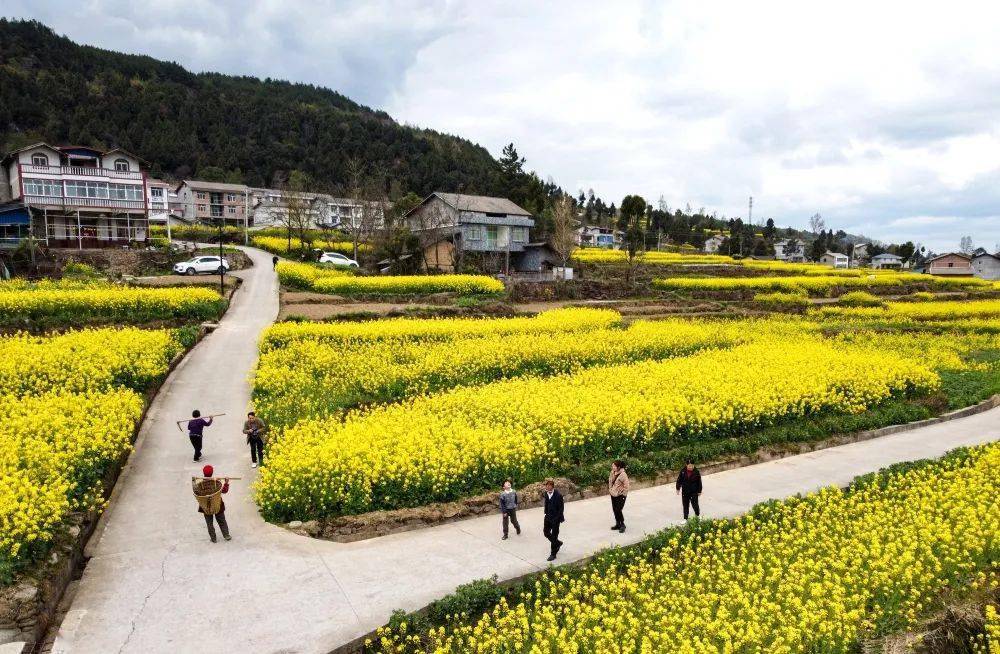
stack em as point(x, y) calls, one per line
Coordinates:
point(689, 488)
point(508, 509)
point(274, 262)
point(618, 486)
point(255, 429)
point(201, 487)
point(196, 428)
point(554, 517)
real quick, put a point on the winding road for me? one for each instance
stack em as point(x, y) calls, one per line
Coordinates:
point(155, 583)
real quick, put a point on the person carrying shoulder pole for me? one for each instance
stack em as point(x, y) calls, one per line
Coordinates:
point(199, 488)
point(196, 427)
point(508, 509)
point(255, 429)
point(689, 488)
point(618, 486)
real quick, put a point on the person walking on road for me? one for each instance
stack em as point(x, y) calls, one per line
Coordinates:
point(255, 429)
point(196, 428)
point(689, 488)
point(274, 262)
point(201, 487)
point(554, 517)
point(508, 509)
point(618, 486)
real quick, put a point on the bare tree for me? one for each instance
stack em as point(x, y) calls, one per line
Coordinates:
point(367, 190)
point(816, 223)
point(293, 210)
point(966, 246)
point(563, 237)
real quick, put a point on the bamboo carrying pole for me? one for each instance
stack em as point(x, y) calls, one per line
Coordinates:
point(218, 477)
point(214, 415)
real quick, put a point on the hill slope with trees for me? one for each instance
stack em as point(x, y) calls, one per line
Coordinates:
point(238, 128)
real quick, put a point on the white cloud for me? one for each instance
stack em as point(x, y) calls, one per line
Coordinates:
point(884, 117)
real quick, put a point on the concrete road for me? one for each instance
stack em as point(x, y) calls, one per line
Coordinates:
point(155, 583)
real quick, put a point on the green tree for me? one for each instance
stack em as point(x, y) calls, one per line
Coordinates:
point(632, 212)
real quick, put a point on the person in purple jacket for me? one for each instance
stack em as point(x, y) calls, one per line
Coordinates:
point(196, 428)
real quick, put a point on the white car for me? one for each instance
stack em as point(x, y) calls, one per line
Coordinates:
point(338, 259)
point(201, 265)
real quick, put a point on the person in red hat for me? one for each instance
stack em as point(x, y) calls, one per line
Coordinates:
point(220, 516)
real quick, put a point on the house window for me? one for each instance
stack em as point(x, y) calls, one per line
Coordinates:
point(475, 233)
point(230, 197)
point(491, 234)
point(202, 207)
point(45, 187)
point(124, 192)
point(121, 165)
point(39, 159)
point(951, 264)
point(81, 189)
point(156, 193)
point(231, 210)
point(200, 195)
point(520, 234)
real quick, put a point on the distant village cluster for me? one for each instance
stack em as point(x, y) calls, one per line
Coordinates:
point(84, 198)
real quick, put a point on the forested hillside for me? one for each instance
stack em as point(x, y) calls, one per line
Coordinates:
point(52, 89)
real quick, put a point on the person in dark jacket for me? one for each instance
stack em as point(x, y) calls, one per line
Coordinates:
point(219, 517)
point(196, 428)
point(274, 262)
point(508, 509)
point(689, 488)
point(553, 517)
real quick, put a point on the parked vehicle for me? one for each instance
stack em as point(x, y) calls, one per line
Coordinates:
point(205, 264)
point(338, 259)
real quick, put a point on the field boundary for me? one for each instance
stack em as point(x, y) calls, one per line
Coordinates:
point(365, 526)
point(357, 645)
point(45, 585)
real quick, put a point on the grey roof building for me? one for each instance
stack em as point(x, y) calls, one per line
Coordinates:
point(475, 222)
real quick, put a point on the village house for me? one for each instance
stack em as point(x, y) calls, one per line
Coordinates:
point(210, 202)
point(790, 250)
point(952, 264)
point(158, 196)
point(72, 197)
point(985, 265)
point(859, 254)
point(887, 261)
point(713, 243)
point(593, 236)
point(449, 224)
point(835, 259)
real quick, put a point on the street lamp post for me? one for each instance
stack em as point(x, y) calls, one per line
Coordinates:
point(222, 269)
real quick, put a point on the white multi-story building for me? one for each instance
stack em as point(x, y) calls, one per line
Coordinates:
point(159, 198)
point(791, 250)
point(272, 206)
point(75, 196)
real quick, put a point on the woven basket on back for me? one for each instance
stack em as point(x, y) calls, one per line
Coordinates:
point(209, 495)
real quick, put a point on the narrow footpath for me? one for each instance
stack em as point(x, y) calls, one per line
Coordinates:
point(155, 583)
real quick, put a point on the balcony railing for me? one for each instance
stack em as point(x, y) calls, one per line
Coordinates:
point(92, 203)
point(80, 171)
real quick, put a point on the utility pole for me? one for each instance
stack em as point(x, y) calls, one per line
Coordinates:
point(750, 212)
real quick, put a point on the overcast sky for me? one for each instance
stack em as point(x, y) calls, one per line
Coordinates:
point(884, 117)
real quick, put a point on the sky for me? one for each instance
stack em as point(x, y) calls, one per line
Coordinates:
point(883, 117)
